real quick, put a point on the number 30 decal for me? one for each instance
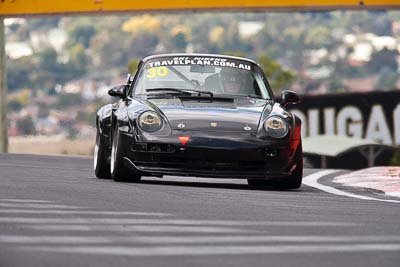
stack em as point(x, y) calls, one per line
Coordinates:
point(159, 71)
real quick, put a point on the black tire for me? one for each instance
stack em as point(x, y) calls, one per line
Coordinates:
point(101, 164)
point(119, 172)
point(293, 181)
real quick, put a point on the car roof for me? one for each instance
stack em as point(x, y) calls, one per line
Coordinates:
point(196, 55)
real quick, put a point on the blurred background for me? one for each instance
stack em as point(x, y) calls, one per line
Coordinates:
point(59, 69)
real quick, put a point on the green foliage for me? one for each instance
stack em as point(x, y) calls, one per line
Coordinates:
point(17, 100)
point(387, 79)
point(141, 24)
point(19, 72)
point(78, 60)
point(43, 70)
point(318, 36)
point(384, 58)
point(69, 99)
point(395, 161)
point(26, 126)
point(44, 23)
point(44, 111)
point(72, 133)
point(104, 44)
point(278, 77)
point(47, 59)
point(87, 117)
point(82, 34)
point(336, 85)
point(179, 41)
point(144, 43)
point(14, 105)
point(132, 65)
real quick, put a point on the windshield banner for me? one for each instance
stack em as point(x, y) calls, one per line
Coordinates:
point(203, 61)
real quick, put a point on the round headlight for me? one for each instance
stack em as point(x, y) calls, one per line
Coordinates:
point(150, 121)
point(276, 127)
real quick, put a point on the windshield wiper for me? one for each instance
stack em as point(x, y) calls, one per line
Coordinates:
point(254, 96)
point(168, 90)
point(183, 91)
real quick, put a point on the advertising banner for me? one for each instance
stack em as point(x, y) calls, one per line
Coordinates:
point(374, 116)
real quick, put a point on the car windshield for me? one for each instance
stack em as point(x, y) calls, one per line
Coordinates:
point(218, 75)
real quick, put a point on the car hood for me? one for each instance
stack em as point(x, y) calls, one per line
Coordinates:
point(233, 115)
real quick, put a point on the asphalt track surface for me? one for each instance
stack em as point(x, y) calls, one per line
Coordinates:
point(54, 212)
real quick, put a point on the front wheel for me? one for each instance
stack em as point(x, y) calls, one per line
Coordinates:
point(100, 159)
point(292, 181)
point(119, 172)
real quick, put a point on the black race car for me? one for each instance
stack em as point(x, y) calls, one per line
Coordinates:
point(199, 115)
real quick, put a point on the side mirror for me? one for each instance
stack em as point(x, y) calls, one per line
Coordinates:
point(289, 97)
point(118, 91)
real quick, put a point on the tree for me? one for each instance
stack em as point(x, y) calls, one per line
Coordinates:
point(48, 59)
point(384, 58)
point(132, 65)
point(18, 100)
point(278, 77)
point(82, 34)
point(142, 45)
point(19, 72)
point(216, 36)
point(318, 36)
point(180, 36)
point(50, 71)
point(140, 24)
point(77, 60)
point(85, 116)
point(336, 85)
point(387, 79)
point(14, 105)
point(44, 23)
point(26, 126)
point(69, 99)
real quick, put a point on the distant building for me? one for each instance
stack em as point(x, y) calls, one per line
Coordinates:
point(249, 28)
point(56, 38)
point(381, 42)
point(366, 84)
point(362, 53)
point(16, 50)
point(363, 45)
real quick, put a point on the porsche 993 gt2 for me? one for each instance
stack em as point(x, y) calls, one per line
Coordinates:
point(199, 115)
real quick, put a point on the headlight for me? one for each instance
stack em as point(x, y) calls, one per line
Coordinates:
point(276, 127)
point(150, 121)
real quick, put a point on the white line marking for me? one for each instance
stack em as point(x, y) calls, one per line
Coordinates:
point(214, 250)
point(312, 180)
point(254, 239)
point(393, 194)
point(58, 239)
point(139, 228)
point(127, 221)
point(14, 239)
point(38, 206)
point(24, 200)
point(82, 212)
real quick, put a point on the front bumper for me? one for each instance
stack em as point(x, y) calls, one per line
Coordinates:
point(218, 155)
